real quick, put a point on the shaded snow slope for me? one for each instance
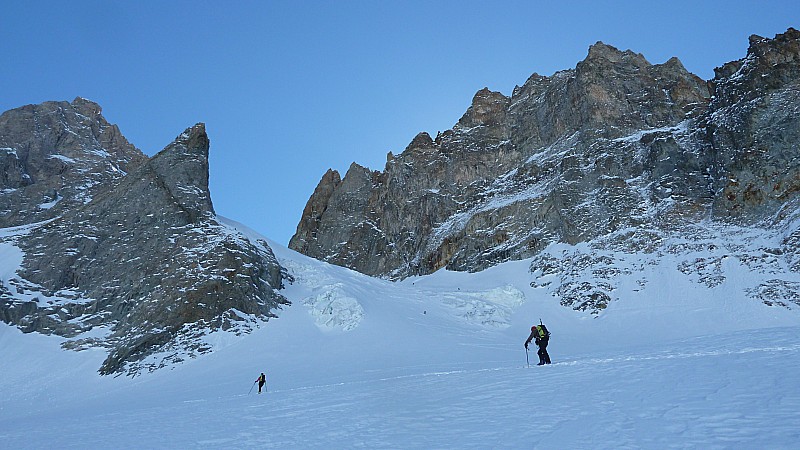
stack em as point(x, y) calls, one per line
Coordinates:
point(718, 392)
point(433, 362)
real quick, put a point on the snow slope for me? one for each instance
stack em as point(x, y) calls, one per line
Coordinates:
point(434, 362)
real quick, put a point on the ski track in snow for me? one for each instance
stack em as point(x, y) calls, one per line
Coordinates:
point(714, 392)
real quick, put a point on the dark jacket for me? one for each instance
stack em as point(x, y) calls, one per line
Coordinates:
point(537, 337)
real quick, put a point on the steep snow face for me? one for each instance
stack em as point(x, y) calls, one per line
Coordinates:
point(437, 362)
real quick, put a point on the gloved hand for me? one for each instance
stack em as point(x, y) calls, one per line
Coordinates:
point(526, 346)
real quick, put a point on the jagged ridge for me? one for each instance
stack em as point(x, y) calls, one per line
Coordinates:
point(614, 143)
point(57, 156)
point(147, 261)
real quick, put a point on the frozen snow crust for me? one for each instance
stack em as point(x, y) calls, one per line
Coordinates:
point(438, 362)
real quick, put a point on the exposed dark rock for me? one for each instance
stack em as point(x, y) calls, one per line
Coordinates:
point(147, 260)
point(57, 156)
point(615, 144)
point(753, 126)
point(565, 158)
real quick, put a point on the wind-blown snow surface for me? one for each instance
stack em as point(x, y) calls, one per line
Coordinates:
point(434, 362)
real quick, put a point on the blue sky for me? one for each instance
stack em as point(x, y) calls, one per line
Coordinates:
point(288, 89)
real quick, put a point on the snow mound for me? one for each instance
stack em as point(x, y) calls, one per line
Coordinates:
point(334, 309)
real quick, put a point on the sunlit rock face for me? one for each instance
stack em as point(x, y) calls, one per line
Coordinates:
point(616, 142)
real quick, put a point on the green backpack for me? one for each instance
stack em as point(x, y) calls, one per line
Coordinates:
point(542, 332)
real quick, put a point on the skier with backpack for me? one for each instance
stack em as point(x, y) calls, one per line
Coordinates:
point(262, 380)
point(541, 337)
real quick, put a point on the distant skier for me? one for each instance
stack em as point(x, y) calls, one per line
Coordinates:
point(262, 380)
point(541, 336)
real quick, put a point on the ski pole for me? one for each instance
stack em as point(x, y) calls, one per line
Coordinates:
point(526, 358)
point(251, 387)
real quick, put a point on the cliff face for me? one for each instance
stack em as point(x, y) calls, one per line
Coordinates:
point(753, 127)
point(505, 180)
point(144, 269)
point(616, 142)
point(57, 156)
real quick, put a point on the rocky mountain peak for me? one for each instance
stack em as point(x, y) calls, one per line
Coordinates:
point(763, 54)
point(488, 109)
point(604, 53)
point(58, 155)
point(315, 208)
point(145, 258)
point(86, 107)
point(422, 140)
point(780, 49)
point(614, 143)
point(622, 90)
point(675, 64)
point(183, 167)
point(194, 140)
